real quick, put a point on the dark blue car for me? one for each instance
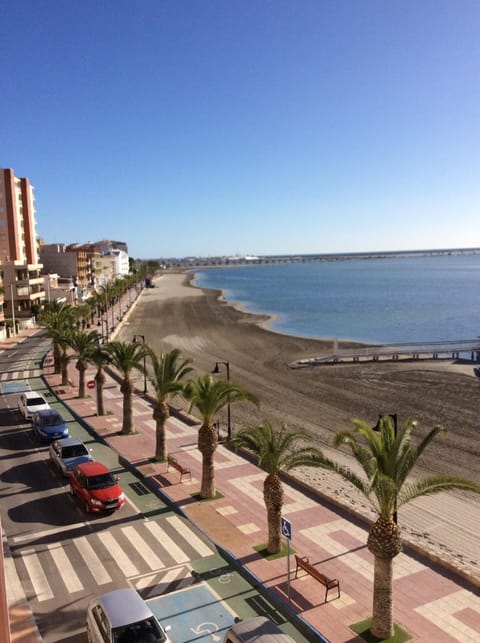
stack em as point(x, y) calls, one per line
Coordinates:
point(49, 425)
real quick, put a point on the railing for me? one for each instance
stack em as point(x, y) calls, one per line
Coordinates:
point(395, 352)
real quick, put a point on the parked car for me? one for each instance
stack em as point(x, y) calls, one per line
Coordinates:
point(96, 487)
point(68, 453)
point(49, 425)
point(258, 629)
point(122, 616)
point(30, 402)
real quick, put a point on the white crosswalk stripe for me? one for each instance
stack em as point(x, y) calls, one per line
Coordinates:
point(146, 552)
point(193, 540)
point(20, 375)
point(69, 575)
point(155, 555)
point(173, 549)
point(38, 578)
point(96, 568)
point(118, 554)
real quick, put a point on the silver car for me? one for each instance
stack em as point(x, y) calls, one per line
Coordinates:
point(67, 453)
point(122, 616)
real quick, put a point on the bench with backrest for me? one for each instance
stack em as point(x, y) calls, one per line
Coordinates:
point(173, 462)
point(329, 583)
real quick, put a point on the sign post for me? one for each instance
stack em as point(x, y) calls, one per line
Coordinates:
point(287, 533)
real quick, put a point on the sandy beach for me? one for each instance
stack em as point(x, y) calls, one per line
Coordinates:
point(324, 399)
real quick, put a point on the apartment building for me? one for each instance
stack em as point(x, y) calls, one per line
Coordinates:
point(23, 290)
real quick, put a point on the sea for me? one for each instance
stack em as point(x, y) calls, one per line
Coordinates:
point(391, 300)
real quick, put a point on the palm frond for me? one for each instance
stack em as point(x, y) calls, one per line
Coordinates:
point(434, 484)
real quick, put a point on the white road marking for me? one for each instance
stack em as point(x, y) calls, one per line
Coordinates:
point(173, 549)
point(118, 555)
point(200, 547)
point(38, 579)
point(68, 574)
point(94, 565)
point(146, 552)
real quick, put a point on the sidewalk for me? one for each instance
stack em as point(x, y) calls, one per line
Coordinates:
point(430, 602)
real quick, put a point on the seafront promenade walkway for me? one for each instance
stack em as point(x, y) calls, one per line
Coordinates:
point(431, 350)
point(430, 602)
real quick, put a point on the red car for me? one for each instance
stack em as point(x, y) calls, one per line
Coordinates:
point(96, 487)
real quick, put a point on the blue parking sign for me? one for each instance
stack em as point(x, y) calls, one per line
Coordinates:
point(286, 529)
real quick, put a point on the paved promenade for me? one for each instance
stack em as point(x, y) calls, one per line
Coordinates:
point(429, 602)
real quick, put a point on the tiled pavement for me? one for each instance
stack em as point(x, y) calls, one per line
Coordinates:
point(430, 602)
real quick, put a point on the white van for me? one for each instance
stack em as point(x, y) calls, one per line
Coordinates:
point(122, 616)
point(256, 630)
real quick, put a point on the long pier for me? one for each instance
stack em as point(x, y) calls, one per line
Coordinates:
point(429, 350)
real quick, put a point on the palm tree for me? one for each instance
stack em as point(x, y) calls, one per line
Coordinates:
point(387, 459)
point(62, 340)
point(126, 357)
point(168, 371)
point(277, 451)
point(209, 396)
point(100, 357)
point(58, 320)
point(83, 345)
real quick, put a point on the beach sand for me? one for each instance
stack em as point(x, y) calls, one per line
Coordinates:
point(324, 399)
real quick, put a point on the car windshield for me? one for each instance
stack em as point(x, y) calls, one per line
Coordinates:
point(146, 631)
point(51, 420)
point(35, 401)
point(74, 451)
point(101, 481)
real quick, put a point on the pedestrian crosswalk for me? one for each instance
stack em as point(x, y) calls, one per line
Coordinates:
point(153, 556)
point(24, 374)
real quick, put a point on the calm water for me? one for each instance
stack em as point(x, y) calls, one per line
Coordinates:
point(384, 300)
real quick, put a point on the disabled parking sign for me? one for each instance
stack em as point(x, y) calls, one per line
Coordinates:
point(286, 529)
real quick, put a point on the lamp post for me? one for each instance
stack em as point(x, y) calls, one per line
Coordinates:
point(144, 363)
point(393, 417)
point(100, 323)
point(13, 311)
point(217, 370)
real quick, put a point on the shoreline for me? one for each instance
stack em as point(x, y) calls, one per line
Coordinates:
point(177, 314)
point(265, 319)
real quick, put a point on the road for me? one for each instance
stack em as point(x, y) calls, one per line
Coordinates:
point(64, 557)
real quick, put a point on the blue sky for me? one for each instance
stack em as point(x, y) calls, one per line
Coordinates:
point(206, 127)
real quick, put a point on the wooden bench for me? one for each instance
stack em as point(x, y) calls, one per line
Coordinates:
point(329, 583)
point(171, 461)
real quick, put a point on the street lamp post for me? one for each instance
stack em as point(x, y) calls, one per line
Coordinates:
point(394, 419)
point(13, 311)
point(144, 363)
point(100, 323)
point(217, 370)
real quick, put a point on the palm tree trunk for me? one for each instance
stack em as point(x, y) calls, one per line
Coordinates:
point(64, 368)
point(126, 389)
point(207, 444)
point(273, 498)
point(160, 415)
point(57, 359)
point(382, 620)
point(100, 380)
point(81, 367)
